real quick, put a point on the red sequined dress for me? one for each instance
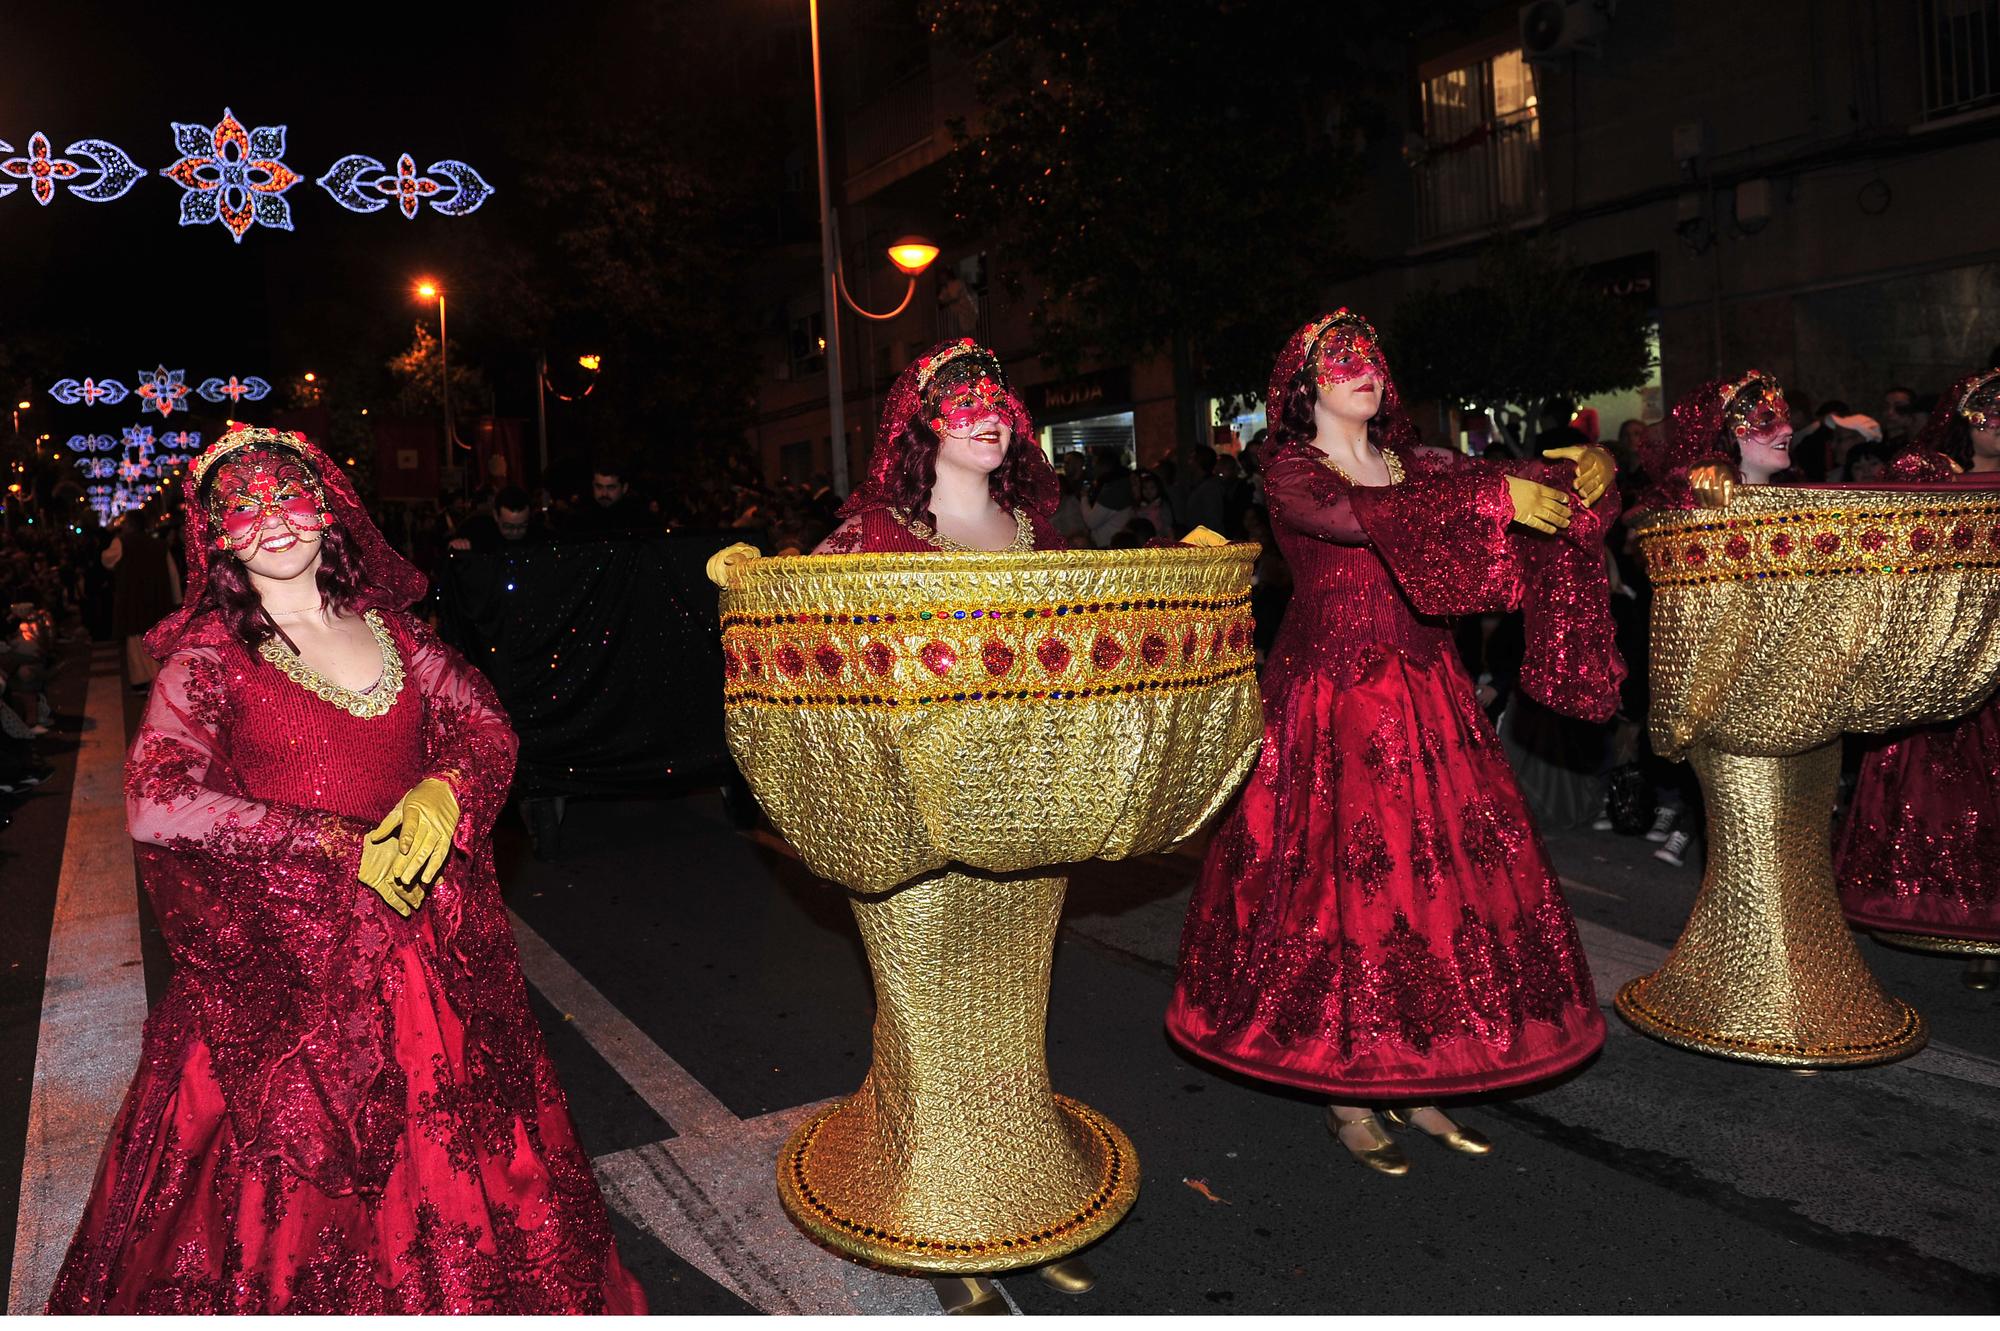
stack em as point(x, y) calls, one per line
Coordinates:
point(1376, 917)
point(1919, 850)
point(337, 1110)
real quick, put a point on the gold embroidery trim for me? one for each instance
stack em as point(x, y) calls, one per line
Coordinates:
point(365, 706)
point(1024, 535)
point(1389, 460)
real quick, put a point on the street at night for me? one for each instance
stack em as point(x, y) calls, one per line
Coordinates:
point(1199, 658)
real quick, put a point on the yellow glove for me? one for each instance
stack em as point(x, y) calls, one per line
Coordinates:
point(1538, 506)
point(722, 564)
point(1204, 536)
point(378, 863)
point(1595, 469)
point(428, 817)
point(1714, 485)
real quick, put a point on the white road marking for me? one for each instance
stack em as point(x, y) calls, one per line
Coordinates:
point(93, 1001)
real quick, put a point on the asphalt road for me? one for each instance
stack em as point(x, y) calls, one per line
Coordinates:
point(701, 990)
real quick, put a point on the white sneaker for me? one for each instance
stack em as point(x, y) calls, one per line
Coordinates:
point(1663, 824)
point(1602, 823)
point(1675, 850)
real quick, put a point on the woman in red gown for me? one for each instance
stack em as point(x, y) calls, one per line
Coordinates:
point(1916, 859)
point(343, 1103)
point(956, 465)
point(1376, 918)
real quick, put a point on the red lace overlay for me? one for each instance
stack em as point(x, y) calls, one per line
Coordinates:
point(1922, 837)
point(1376, 917)
point(337, 1110)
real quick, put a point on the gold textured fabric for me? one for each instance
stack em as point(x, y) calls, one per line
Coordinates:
point(1779, 623)
point(939, 733)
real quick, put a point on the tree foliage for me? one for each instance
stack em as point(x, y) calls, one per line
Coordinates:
point(1170, 171)
point(1528, 328)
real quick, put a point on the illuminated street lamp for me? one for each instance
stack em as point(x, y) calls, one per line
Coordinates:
point(429, 290)
point(592, 362)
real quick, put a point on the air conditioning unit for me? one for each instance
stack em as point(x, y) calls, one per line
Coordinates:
point(1551, 29)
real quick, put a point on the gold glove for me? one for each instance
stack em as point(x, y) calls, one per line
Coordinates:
point(1595, 470)
point(1536, 506)
point(378, 863)
point(1714, 485)
point(723, 562)
point(1203, 536)
point(428, 817)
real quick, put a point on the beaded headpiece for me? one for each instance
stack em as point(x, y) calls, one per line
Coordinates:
point(1754, 402)
point(1979, 403)
point(237, 440)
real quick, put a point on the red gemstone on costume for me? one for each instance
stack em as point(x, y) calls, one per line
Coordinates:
point(753, 661)
point(1874, 539)
point(1239, 636)
point(1188, 645)
point(1961, 538)
point(1827, 542)
point(829, 660)
point(1922, 539)
point(732, 668)
point(1106, 652)
point(791, 661)
point(1781, 545)
point(1054, 654)
point(997, 657)
point(1738, 547)
point(878, 658)
point(938, 657)
point(1698, 555)
point(1153, 648)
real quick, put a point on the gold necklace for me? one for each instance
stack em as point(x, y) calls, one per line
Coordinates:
point(376, 701)
point(1024, 534)
point(1389, 460)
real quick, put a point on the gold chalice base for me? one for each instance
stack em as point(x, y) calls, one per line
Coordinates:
point(824, 1181)
point(1941, 944)
point(1900, 1042)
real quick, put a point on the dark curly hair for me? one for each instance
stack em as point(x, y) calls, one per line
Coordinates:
point(916, 450)
point(231, 596)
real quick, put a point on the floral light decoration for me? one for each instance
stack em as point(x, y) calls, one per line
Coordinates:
point(249, 389)
point(356, 181)
point(164, 390)
point(233, 175)
point(114, 171)
point(88, 392)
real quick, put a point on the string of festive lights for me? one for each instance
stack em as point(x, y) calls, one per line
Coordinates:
point(450, 187)
point(235, 175)
point(164, 390)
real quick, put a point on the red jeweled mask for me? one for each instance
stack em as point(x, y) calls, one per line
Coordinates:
point(963, 405)
point(255, 484)
point(1756, 407)
point(1981, 404)
point(1347, 352)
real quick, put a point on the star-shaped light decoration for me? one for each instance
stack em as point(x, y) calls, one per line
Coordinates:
point(233, 175)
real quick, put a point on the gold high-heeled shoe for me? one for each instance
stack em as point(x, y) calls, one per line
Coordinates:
point(1463, 1140)
point(1071, 1275)
point(1383, 1156)
point(970, 1296)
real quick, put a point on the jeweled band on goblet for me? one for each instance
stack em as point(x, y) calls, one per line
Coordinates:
point(1780, 623)
point(939, 733)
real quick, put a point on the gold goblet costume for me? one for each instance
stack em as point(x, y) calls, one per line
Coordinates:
point(941, 733)
point(1779, 623)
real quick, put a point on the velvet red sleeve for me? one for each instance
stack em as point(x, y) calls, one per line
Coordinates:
point(1309, 499)
point(468, 742)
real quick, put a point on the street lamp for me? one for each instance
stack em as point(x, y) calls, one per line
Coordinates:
point(429, 290)
point(911, 255)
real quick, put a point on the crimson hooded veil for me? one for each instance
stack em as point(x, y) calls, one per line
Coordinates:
point(336, 1110)
point(1376, 917)
point(1916, 854)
